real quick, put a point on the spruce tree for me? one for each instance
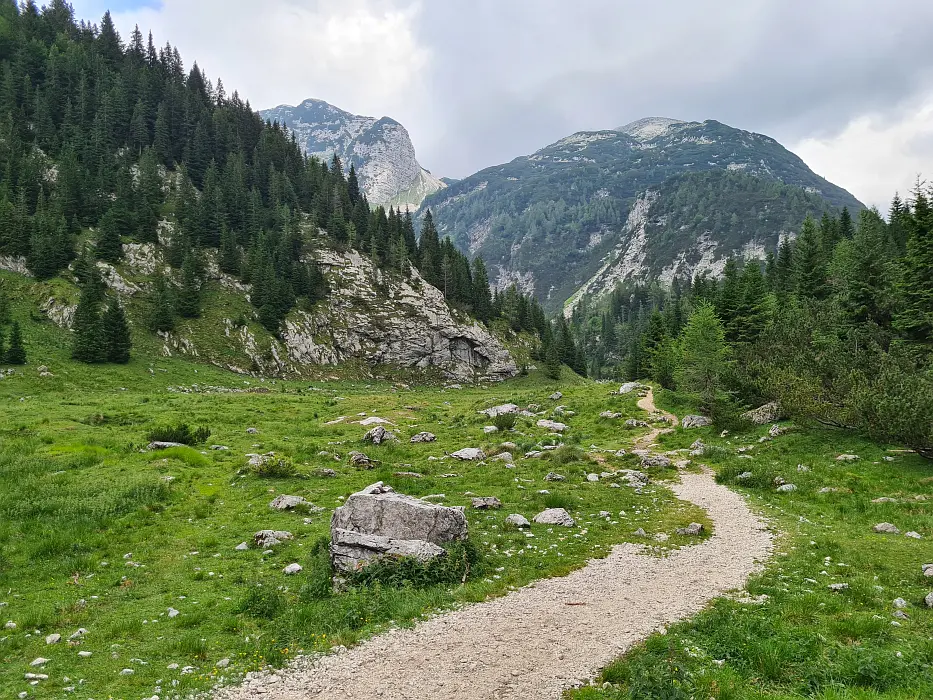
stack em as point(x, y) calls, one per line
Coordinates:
point(482, 298)
point(752, 313)
point(109, 246)
point(429, 252)
point(730, 298)
point(87, 343)
point(4, 307)
point(915, 289)
point(162, 316)
point(704, 356)
point(809, 263)
point(15, 354)
point(2, 342)
point(188, 299)
point(116, 333)
point(353, 186)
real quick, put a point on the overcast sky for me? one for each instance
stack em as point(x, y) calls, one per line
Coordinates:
point(846, 84)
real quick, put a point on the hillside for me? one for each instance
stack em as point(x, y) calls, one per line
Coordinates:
point(380, 149)
point(552, 220)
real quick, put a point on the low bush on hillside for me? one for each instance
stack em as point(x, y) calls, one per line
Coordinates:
point(505, 421)
point(179, 432)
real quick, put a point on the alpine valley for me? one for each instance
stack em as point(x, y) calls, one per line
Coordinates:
point(654, 199)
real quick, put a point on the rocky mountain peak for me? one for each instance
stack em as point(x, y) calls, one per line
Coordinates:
point(381, 150)
point(650, 127)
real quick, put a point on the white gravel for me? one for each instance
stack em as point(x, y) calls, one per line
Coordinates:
point(539, 641)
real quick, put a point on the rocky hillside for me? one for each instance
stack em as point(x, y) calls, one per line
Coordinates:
point(369, 316)
point(654, 198)
point(380, 149)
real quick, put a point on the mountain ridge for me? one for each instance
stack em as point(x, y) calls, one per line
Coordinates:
point(380, 149)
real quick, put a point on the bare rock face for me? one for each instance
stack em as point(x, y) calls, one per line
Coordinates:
point(769, 413)
point(412, 327)
point(690, 422)
point(377, 522)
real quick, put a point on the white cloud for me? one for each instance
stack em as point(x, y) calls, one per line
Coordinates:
point(874, 157)
point(361, 55)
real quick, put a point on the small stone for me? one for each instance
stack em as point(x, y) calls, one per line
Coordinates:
point(556, 396)
point(592, 477)
point(423, 437)
point(292, 569)
point(469, 454)
point(779, 481)
point(886, 529)
point(53, 639)
point(786, 488)
point(552, 476)
point(487, 503)
point(271, 538)
point(691, 422)
point(379, 435)
point(220, 448)
point(127, 672)
point(287, 502)
point(490, 429)
point(252, 431)
point(39, 662)
point(929, 600)
point(899, 603)
point(516, 520)
point(10, 625)
point(552, 426)
point(838, 587)
point(744, 476)
point(692, 530)
point(847, 458)
point(604, 514)
point(80, 632)
point(173, 613)
point(927, 570)
point(803, 468)
point(242, 547)
point(640, 532)
point(85, 654)
point(555, 516)
point(914, 535)
point(223, 663)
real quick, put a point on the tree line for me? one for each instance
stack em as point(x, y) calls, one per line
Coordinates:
point(837, 326)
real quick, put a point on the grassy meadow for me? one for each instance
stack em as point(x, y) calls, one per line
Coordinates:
point(99, 534)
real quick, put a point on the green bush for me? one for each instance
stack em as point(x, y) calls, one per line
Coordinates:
point(262, 602)
point(179, 432)
point(505, 421)
point(274, 468)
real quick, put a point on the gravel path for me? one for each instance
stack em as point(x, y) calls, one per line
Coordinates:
point(646, 403)
point(549, 636)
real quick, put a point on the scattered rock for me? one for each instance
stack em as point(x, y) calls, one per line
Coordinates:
point(500, 410)
point(173, 613)
point(690, 422)
point(847, 458)
point(629, 387)
point(39, 662)
point(553, 476)
point(838, 587)
point(769, 413)
point(379, 435)
point(776, 431)
point(377, 521)
point(631, 424)
point(10, 625)
point(487, 503)
point(927, 570)
point(219, 448)
point(160, 445)
point(592, 477)
point(692, 530)
point(802, 468)
point(829, 489)
point(266, 539)
point(374, 420)
point(424, 437)
point(914, 535)
point(640, 532)
point(85, 654)
point(287, 502)
point(516, 520)
point(503, 457)
point(929, 600)
point(786, 488)
point(899, 603)
point(223, 663)
point(326, 473)
point(610, 415)
point(886, 529)
point(252, 431)
point(556, 396)
point(292, 569)
point(469, 454)
point(648, 461)
point(779, 481)
point(408, 475)
point(552, 425)
point(80, 632)
point(555, 516)
point(242, 547)
point(358, 459)
point(490, 429)
point(744, 476)
point(884, 499)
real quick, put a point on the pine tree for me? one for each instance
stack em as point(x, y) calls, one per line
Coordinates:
point(784, 268)
point(116, 333)
point(353, 186)
point(915, 289)
point(2, 350)
point(482, 298)
point(229, 252)
point(752, 314)
point(162, 317)
point(703, 356)
point(15, 354)
point(552, 366)
point(87, 343)
point(109, 246)
point(188, 299)
point(730, 299)
point(4, 307)
point(429, 252)
point(809, 263)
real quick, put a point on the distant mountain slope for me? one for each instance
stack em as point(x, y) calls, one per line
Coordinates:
point(381, 150)
point(552, 220)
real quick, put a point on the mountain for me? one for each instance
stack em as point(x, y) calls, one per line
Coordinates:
point(381, 150)
point(655, 198)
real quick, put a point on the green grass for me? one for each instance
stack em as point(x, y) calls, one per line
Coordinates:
point(805, 640)
point(96, 533)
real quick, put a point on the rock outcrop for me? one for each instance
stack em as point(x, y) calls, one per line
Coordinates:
point(378, 522)
point(769, 413)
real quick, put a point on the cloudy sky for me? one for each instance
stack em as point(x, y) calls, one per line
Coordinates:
point(846, 84)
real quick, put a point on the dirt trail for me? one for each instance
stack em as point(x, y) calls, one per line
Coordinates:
point(646, 403)
point(542, 639)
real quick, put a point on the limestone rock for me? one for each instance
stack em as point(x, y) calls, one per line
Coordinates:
point(592, 477)
point(287, 502)
point(610, 415)
point(692, 530)
point(266, 539)
point(648, 461)
point(786, 488)
point(776, 431)
point(487, 503)
point(423, 437)
point(886, 529)
point(395, 521)
point(838, 587)
point(516, 520)
point(769, 413)
point(292, 569)
point(53, 639)
point(160, 445)
point(927, 570)
point(502, 410)
point(847, 458)
point(553, 476)
point(629, 387)
point(556, 396)
point(555, 516)
point(358, 459)
point(503, 457)
point(379, 435)
point(929, 600)
point(552, 425)
point(469, 454)
point(631, 424)
point(690, 422)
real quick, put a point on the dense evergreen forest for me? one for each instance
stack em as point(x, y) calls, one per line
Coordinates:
point(104, 143)
point(838, 327)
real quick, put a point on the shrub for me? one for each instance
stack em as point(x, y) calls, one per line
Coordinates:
point(263, 602)
point(556, 500)
point(179, 432)
point(274, 468)
point(505, 421)
point(462, 560)
point(565, 455)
